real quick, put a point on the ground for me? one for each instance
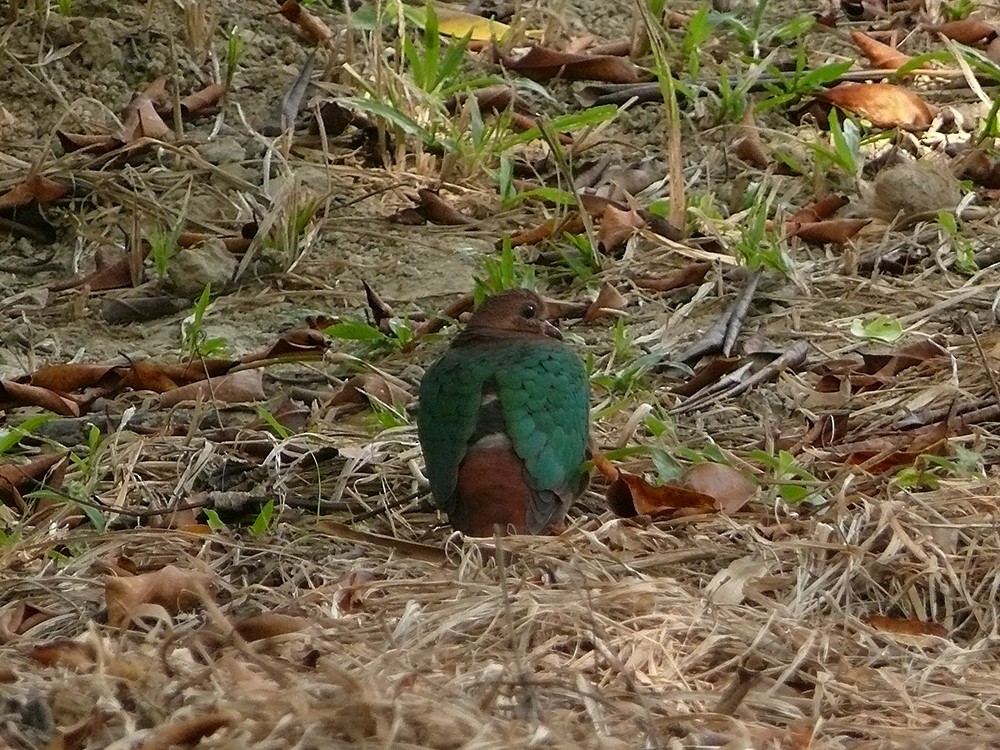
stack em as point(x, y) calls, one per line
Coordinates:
point(197, 574)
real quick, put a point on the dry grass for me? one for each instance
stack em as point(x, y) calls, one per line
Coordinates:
point(759, 630)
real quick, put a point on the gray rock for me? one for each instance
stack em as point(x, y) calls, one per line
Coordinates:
point(194, 267)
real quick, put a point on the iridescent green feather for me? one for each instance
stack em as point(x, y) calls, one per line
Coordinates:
point(545, 398)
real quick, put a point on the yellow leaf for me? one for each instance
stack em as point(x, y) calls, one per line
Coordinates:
point(458, 23)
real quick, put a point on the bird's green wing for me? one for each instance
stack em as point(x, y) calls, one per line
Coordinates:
point(545, 396)
point(450, 397)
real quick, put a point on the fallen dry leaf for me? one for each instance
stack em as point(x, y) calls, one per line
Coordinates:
point(907, 626)
point(141, 120)
point(693, 273)
point(608, 300)
point(311, 25)
point(729, 487)
point(438, 211)
point(969, 31)
point(110, 272)
point(879, 55)
point(62, 652)
point(629, 494)
point(543, 64)
point(19, 617)
point(269, 625)
point(171, 588)
point(236, 388)
point(187, 731)
point(14, 394)
point(822, 209)
point(569, 224)
point(298, 342)
point(351, 590)
point(712, 371)
point(829, 232)
point(747, 144)
point(364, 388)
point(93, 144)
point(203, 102)
point(16, 478)
point(617, 226)
point(885, 105)
point(34, 188)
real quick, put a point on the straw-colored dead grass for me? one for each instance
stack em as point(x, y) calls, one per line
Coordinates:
point(761, 630)
point(710, 633)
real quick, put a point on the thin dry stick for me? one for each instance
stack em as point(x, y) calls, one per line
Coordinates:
point(982, 357)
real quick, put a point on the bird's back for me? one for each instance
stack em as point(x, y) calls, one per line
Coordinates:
point(533, 392)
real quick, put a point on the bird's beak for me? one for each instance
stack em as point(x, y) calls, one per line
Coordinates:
point(551, 330)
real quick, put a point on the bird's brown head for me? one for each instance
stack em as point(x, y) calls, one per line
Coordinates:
point(517, 312)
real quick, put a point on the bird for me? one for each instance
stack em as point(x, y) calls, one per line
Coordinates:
point(504, 421)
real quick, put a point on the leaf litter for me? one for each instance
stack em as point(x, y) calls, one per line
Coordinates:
point(165, 578)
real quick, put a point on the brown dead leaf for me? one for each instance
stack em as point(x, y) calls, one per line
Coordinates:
point(730, 489)
point(351, 591)
point(171, 588)
point(62, 652)
point(876, 370)
point(141, 120)
point(712, 371)
point(617, 227)
point(885, 105)
point(693, 273)
point(747, 144)
point(543, 64)
point(237, 388)
point(438, 211)
point(14, 394)
point(608, 299)
point(20, 617)
point(109, 273)
point(93, 144)
point(879, 55)
point(332, 119)
point(976, 165)
point(435, 323)
point(162, 376)
point(70, 377)
point(569, 224)
point(826, 430)
point(829, 232)
point(187, 731)
point(381, 311)
point(35, 188)
point(907, 626)
point(822, 209)
point(269, 625)
point(362, 389)
point(495, 99)
point(969, 31)
point(311, 26)
point(298, 342)
point(203, 102)
point(630, 494)
point(15, 479)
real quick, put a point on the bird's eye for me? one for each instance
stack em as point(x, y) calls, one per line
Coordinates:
point(528, 311)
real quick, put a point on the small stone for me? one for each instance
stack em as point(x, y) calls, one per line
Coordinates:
point(915, 188)
point(192, 268)
point(223, 150)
